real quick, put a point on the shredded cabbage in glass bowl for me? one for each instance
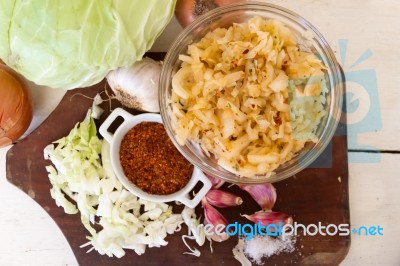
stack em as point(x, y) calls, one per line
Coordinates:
point(251, 93)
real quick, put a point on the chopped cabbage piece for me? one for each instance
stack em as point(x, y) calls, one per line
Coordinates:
point(248, 96)
point(83, 181)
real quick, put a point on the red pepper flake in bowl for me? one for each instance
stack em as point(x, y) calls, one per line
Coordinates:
point(151, 161)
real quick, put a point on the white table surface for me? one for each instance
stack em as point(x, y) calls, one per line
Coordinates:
point(28, 236)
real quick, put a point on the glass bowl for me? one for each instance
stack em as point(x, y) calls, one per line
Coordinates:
point(309, 40)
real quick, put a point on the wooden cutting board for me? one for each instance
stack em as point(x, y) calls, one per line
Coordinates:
point(313, 195)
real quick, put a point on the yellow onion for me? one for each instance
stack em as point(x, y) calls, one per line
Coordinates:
point(15, 106)
point(188, 10)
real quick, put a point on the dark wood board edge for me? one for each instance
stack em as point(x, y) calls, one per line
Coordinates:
point(60, 127)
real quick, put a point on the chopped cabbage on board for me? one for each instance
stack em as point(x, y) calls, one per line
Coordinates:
point(83, 181)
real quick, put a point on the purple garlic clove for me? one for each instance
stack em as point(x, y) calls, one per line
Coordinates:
point(266, 218)
point(214, 223)
point(263, 194)
point(223, 199)
point(215, 181)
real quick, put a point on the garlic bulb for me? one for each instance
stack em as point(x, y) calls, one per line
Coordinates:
point(137, 86)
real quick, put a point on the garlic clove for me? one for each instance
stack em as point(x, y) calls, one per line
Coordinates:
point(218, 237)
point(263, 194)
point(223, 199)
point(214, 223)
point(266, 218)
point(215, 181)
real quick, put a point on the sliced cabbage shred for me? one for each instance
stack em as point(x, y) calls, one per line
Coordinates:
point(83, 181)
point(249, 95)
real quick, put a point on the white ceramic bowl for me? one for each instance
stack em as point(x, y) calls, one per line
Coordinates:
point(115, 139)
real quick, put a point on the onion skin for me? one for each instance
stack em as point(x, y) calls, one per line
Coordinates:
point(186, 11)
point(15, 107)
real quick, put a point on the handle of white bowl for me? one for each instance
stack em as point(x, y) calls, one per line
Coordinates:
point(118, 112)
point(199, 176)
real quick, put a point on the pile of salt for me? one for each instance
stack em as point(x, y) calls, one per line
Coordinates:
point(261, 247)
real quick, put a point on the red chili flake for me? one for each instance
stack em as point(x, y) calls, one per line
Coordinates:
point(234, 63)
point(278, 119)
point(151, 161)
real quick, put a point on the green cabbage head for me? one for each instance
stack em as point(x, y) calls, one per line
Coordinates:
point(75, 43)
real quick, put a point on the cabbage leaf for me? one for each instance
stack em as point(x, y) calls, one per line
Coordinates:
point(75, 43)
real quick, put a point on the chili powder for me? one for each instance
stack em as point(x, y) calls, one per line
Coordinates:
point(151, 161)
